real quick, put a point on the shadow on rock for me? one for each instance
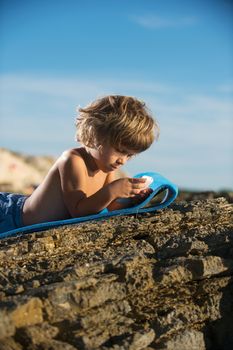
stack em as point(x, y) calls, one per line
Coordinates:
point(219, 333)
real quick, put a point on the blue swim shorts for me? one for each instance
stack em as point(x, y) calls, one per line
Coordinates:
point(11, 205)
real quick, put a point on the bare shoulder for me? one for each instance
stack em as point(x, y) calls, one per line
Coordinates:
point(72, 170)
point(68, 154)
point(71, 157)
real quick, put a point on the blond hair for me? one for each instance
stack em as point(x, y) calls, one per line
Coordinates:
point(119, 121)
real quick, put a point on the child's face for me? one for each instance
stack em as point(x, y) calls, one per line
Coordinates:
point(110, 159)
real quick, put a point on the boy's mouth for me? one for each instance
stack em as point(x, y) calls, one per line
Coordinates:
point(115, 167)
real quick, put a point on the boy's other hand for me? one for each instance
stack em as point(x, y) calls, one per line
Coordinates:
point(132, 201)
point(138, 198)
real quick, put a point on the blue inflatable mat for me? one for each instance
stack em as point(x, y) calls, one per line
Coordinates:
point(158, 184)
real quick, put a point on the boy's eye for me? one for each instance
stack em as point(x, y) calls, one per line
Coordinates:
point(126, 154)
point(121, 151)
point(129, 155)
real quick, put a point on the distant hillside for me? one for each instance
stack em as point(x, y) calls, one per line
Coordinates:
point(20, 172)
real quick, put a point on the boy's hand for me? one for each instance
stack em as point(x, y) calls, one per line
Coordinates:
point(127, 187)
point(135, 200)
point(141, 196)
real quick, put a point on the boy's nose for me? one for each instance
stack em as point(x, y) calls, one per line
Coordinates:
point(121, 160)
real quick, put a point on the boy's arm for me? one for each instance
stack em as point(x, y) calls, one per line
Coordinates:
point(114, 205)
point(73, 176)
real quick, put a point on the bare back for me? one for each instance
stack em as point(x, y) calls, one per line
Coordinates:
point(72, 173)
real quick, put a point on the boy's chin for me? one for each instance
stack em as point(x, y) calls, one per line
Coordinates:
point(106, 169)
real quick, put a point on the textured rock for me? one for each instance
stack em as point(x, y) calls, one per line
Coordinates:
point(151, 281)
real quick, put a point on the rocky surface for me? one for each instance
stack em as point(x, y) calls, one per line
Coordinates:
point(152, 281)
point(185, 195)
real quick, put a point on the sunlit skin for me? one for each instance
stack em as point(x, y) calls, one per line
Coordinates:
point(82, 182)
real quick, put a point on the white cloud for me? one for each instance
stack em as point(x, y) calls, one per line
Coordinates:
point(73, 88)
point(226, 88)
point(216, 105)
point(155, 22)
point(56, 87)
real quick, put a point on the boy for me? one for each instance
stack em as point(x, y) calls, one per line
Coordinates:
point(82, 181)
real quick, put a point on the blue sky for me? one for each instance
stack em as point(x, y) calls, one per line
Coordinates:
point(176, 55)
